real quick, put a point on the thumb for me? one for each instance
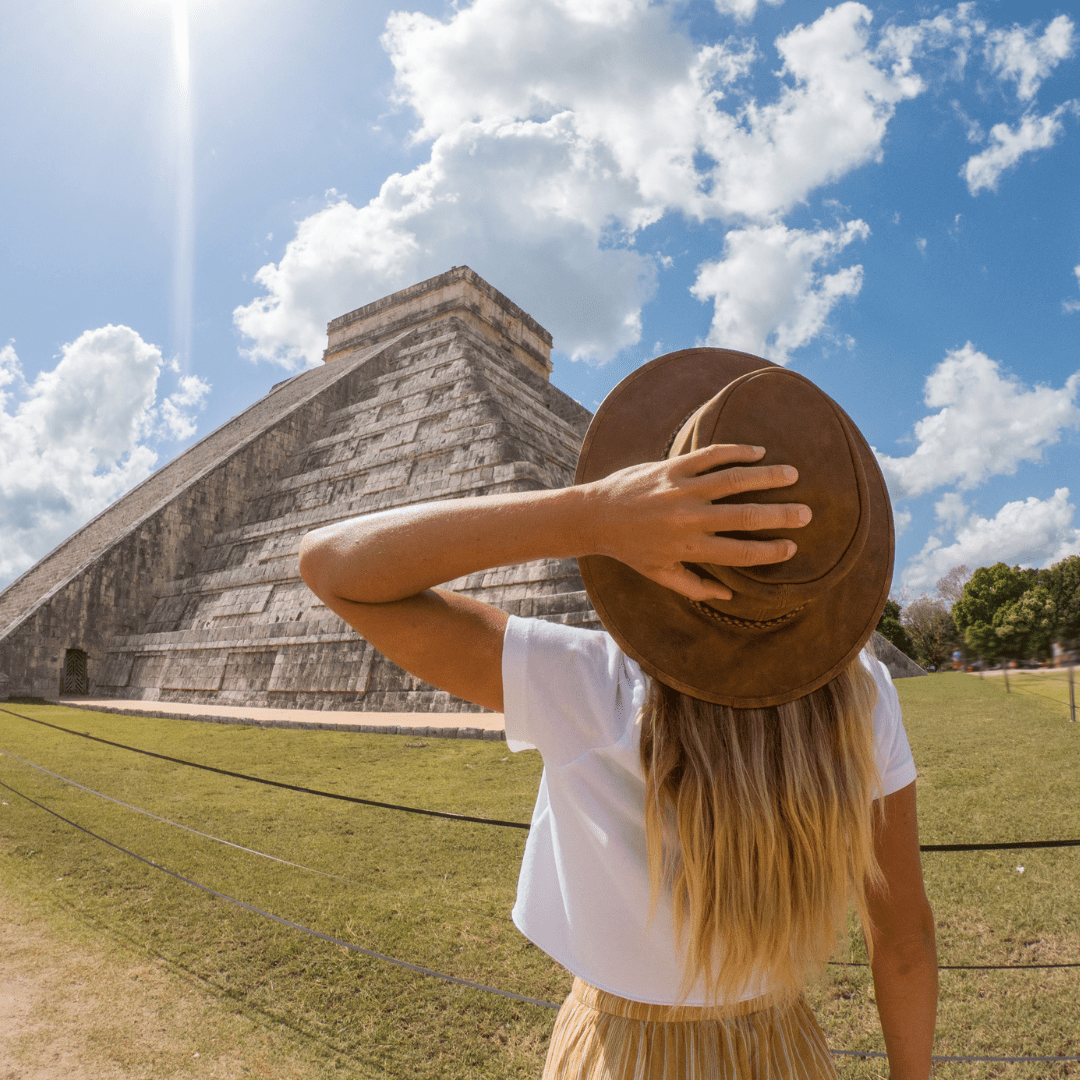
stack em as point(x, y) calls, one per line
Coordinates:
point(681, 579)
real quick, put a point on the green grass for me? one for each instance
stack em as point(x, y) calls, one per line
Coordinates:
point(992, 767)
point(438, 893)
point(1050, 684)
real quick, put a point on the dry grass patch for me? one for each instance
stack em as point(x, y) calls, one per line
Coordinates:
point(75, 1006)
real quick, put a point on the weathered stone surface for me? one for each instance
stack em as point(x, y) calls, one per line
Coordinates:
point(461, 291)
point(187, 588)
point(900, 665)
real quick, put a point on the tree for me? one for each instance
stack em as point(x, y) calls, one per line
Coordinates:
point(951, 587)
point(889, 628)
point(932, 630)
point(990, 589)
point(1062, 582)
point(1026, 627)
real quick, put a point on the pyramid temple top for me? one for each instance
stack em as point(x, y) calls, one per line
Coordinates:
point(460, 292)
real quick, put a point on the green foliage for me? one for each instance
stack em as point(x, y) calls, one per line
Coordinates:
point(932, 631)
point(982, 641)
point(1009, 612)
point(1026, 627)
point(1062, 581)
point(990, 589)
point(889, 627)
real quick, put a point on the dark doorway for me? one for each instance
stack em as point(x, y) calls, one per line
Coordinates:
point(74, 680)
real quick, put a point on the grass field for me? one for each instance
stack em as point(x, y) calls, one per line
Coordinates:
point(993, 767)
point(1050, 684)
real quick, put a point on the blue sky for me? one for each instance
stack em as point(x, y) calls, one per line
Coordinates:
point(883, 197)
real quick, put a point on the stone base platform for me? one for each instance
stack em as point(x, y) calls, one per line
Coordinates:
point(440, 725)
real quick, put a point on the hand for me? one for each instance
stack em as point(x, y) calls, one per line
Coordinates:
point(659, 515)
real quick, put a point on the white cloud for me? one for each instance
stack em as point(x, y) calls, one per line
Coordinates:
point(79, 435)
point(559, 129)
point(742, 10)
point(1018, 55)
point(1070, 306)
point(1007, 147)
point(986, 425)
point(951, 509)
point(769, 292)
point(955, 30)
point(1033, 532)
point(177, 424)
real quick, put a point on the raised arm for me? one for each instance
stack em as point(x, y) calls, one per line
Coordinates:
point(905, 954)
point(378, 572)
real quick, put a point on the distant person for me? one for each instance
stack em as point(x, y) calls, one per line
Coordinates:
point(726, 771)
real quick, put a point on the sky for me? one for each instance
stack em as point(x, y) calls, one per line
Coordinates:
point(883, 197)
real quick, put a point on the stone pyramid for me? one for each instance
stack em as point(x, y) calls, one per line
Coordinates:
point(187, 589)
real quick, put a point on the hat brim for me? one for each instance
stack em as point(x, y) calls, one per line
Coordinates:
point(671, 639)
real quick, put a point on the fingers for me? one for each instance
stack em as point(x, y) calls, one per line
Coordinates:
point(755, 516)
point(716, 455)
point(725, 551)
point(681, 579)
point(740, 475)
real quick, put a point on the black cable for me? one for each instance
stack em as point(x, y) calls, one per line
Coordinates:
point(967, 967)
point(276, 783)
point(288, 922)
point(428, 971)
point(1015, 846)
point(952, 1057)
point(221, 840)
point(337, 877)
point(462, 817)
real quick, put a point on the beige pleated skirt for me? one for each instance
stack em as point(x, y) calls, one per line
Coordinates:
point(599, 1036)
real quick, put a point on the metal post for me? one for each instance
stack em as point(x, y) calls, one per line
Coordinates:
point(1072, 695)
point(1005, 669)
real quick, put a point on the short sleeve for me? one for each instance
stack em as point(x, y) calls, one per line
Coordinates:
point(892, 751)
point(566, 690)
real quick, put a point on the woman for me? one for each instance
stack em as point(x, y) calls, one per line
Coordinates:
point(726, 771)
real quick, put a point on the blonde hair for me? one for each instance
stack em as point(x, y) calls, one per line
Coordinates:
point(760, 822)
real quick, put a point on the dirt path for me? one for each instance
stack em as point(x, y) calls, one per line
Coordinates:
point(71, 1012)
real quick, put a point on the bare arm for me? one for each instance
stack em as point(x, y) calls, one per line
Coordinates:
point(379, 572)
point(905, 953)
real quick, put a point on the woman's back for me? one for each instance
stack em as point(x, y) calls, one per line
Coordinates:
point(585, 893)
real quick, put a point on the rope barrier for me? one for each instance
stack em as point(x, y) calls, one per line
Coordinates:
point(968, 967)
point(952, 1057)
point(288, 922)
point(348, 881)
point(1014, 846)
point(276, 783)
point(429, 971)
point(227, 843)
point(177, 824)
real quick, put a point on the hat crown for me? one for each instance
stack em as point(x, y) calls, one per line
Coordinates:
point(798, 425)
point(792, 626)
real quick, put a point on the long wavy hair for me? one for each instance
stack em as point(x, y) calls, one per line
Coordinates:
point(760, 822)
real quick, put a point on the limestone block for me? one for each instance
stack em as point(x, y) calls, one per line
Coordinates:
point(194, 671)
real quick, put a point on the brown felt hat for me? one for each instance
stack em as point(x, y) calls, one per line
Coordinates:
point(789, 627)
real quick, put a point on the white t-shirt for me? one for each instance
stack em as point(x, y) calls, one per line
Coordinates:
point(583, 892)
